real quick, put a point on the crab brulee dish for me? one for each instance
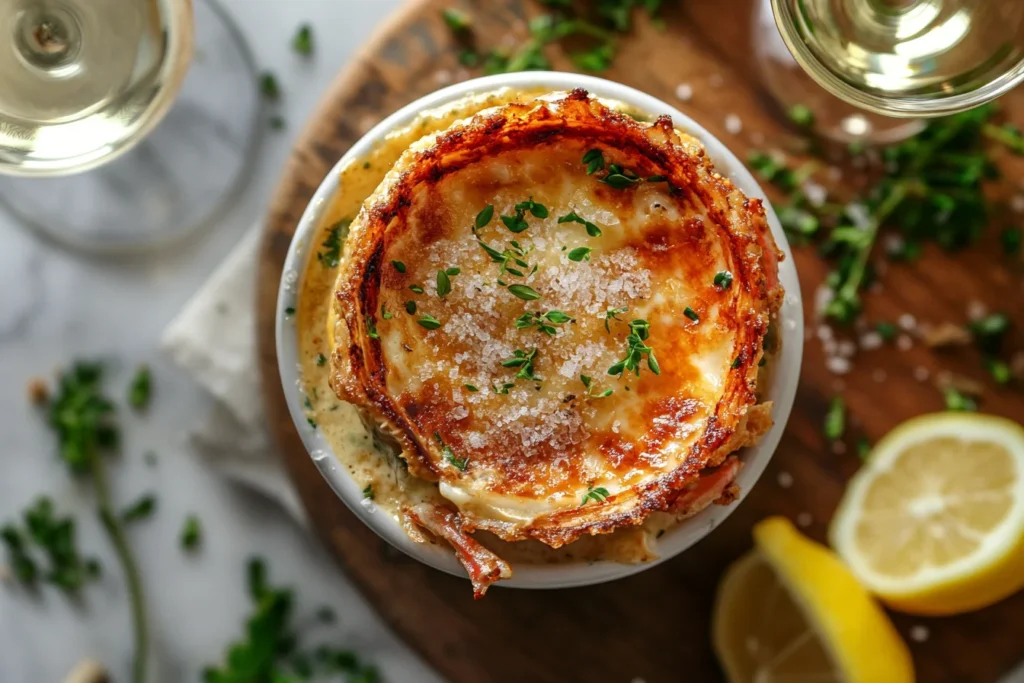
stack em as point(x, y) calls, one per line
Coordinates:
point(538, 327)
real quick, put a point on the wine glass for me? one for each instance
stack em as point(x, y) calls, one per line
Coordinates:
point(124, 124)
point(908, 59)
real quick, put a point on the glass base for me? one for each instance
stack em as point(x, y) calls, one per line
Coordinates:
point(180, 177)
point(790, 86)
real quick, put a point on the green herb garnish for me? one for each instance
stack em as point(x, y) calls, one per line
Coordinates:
point(572, 217)
point(444, 284)
point(524, 361)
point(544, 322)
point(580, 254)
point(470, 388)
point(594, 160)
point(457, 20)
point(639, 331)
point(484, 217)
point(141, 389)
point(449, 455)
point(302, 43)
point(399, 266)
point(691, 314)
point(269, 87)
point(416, 288)
point(336, 234)
point(191, 533)
point(597, 495)
point(410, 307)
point(321, 360)
point(588, 383)
point(959, 402)
point(835, 419)
point(612, 314)
point(368, 492)
point(723, 280)
point(887, 331)
point(143, 508)
point(523, 292)
point(429, 322)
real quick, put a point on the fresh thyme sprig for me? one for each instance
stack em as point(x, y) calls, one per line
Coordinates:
point(544, 322)
point(449, 455)
point(597, 494)
point(639, 332)
point(588, 383)
point(524, 361)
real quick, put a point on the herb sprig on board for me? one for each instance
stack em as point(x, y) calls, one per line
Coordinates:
point(931, 189)
point(597, 28)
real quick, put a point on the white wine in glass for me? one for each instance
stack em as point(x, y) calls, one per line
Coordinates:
point(123, 123)
point(907, 58)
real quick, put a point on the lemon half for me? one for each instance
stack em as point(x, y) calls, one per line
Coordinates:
point(934, 521)
point(791, 612)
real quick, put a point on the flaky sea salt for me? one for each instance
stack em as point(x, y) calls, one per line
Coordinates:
point(684, 92)
point(837, 365)
point(733, 124)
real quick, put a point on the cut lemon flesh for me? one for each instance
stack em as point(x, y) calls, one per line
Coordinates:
point(790, 612)
point(934, 521)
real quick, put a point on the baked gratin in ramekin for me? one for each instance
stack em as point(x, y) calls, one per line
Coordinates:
point(557, 315)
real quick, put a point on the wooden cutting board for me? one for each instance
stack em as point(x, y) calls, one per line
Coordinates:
point(653, 626)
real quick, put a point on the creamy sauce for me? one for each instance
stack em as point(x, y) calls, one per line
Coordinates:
point(371, 462)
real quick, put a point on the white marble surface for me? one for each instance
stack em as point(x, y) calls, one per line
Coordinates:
point(56, 305)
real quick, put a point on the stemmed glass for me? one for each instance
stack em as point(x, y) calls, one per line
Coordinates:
point(124, 124)
point(903, 59)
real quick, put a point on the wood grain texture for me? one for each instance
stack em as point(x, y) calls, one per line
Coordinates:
point(654, 625)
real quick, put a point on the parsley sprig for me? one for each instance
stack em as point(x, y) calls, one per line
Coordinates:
point(83, 419)
point(639, 332)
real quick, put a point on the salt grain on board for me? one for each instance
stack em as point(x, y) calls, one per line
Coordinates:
point(804, 519)
point(904, 342)
point(733, 124)
point(785, 480)
point(684, 92)
point(919, 633)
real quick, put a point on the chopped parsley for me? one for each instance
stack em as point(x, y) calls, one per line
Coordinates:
point(801, 115)
point(331, 254)
point(457, 20)
point(385, 313)
point(958, 401)
point(142, 508)
point(639, 331)
point(597, 494)
point(999, 370)
point(449, 455)
point(429, 322)
point(887, 331)
point(368, 492)
point(269, 87)
point(371, 329)
point(321, 360)
point(723, 280)
point(835, 419)
point(141, 389)
point(290, 311)
point(191, 533)
point(573, 217)
point(580, 254)
point(302, 43)
point(544, 322)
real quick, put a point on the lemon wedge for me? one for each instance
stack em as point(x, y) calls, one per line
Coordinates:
point(791, 612)
point(934, 521)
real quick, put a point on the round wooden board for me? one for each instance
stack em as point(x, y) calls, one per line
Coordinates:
point(654, 626)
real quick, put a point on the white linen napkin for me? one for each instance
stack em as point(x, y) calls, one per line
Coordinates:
point(213, 340)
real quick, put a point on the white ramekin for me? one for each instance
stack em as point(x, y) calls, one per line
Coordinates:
point(781, 391)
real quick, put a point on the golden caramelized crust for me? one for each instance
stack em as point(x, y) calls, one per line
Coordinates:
point(501, 376)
